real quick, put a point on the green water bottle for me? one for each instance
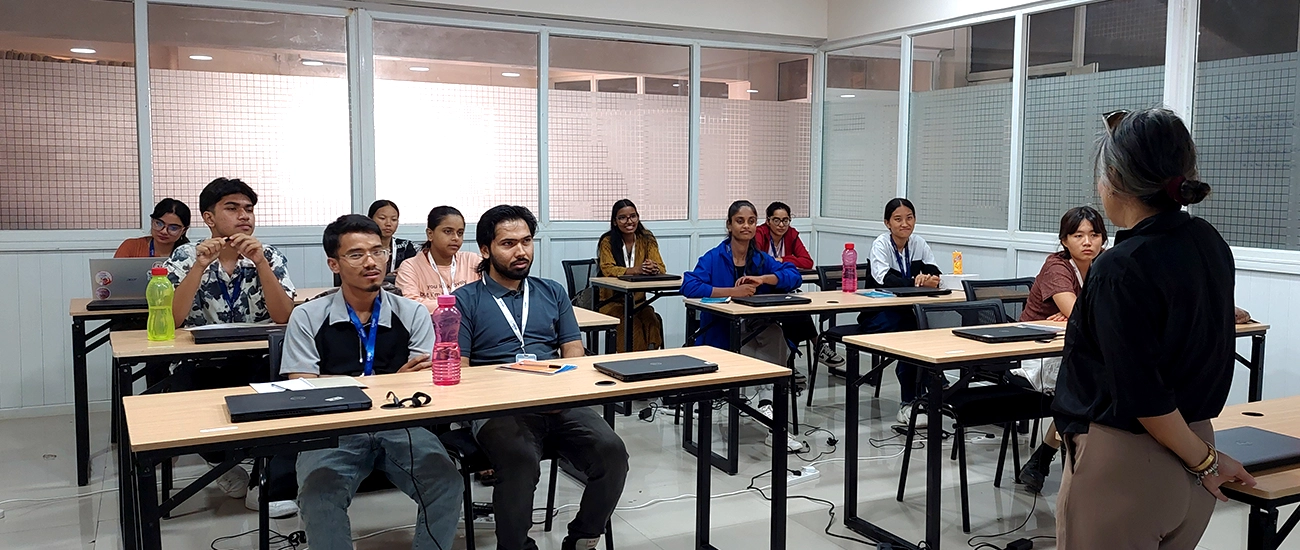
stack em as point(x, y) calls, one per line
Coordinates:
point(161, 327)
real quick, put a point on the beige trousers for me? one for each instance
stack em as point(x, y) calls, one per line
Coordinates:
point(1126, 491)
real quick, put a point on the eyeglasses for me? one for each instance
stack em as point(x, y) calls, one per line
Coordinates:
point(355, 258)
point(158, 225)
point(628, 218)
point(779, 221)
point(1113, 118)
point(416, 401)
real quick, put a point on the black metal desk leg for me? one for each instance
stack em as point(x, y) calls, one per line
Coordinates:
point(934, 459)
point(703, 475)
point(780, 461)
point(1256, 390)
point(125, 472)
point(1262, 529)
point(150, 523)
point(629, 299)
point(264, 505)
point(851, 436)
point(81, 400)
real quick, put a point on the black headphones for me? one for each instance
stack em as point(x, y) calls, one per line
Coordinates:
point(416, 401)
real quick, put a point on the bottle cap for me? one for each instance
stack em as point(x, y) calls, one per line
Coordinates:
point(446, 300)
point(848, 246)
point(158, 272)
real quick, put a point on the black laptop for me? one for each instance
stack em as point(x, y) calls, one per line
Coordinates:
point(1258, 449)
point(645, 277)
point(1004, 334)
point(769, 300)
point(112, 304)
point(240, 332)
point(654, 368)
point(289, 404)
point(917, 291)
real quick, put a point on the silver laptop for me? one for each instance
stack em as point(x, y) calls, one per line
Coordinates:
point(120, 281)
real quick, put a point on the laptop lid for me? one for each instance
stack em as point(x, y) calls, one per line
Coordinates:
point(915, 291)
point(1258, 449)
point(657, 277)
point(120, 278)
point(652, 368)
point(1003, 334)
point(233, 332)
point(289, 404)
point(768, 300)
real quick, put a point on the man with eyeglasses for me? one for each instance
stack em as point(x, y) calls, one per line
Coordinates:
point(358, 331)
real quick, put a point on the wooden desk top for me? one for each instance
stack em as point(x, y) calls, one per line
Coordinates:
point(827, 301)
point(615, 283)
point(1276, 415)
point(77, 307)
point(940, 346)
point(135, 344)
point(181, 419)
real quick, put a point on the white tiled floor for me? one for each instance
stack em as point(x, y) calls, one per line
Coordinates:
point(36, 461)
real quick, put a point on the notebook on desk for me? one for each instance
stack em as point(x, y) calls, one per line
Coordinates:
point(644, 277)
point(1257, 449)
point(289, 404)
point(770, 300)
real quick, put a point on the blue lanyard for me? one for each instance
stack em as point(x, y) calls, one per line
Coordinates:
point(904, 261)
point(367, 340)
point(150, 248)
point(231, 296)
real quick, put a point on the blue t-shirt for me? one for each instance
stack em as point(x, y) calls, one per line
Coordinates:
point(486, 337)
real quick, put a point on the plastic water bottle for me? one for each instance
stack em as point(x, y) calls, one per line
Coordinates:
point(162, 326)
point(849, 270)
point(446, 347)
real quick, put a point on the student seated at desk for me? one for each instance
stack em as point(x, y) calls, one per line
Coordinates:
point(385, 213)
point(509, 316)
point(900, 258)
point(628, 248)
point(781, 241)
point(1052, 297)
point(324, 339)
point(441, 267)
point(736, 268)
point(229, 278)
point(170, 221)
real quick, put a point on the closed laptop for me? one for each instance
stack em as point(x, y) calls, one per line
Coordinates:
point(1004, 334)
point(644, 278)
point(917, 291)
point(233, 332)
point(1257, 449)
point(290, 404)
point(770, 300)
point(653, 368)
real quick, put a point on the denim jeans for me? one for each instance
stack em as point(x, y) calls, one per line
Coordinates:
point(894, 320)
point(514, 445)
point(413, 459)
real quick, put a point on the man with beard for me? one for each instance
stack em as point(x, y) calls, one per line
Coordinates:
point(359, 331)
point(508, 317)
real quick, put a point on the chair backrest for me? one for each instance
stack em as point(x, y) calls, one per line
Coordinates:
point(274, 352)
point(829, 277)
point(1013, 293)
point(578, 274)
point(960, 314)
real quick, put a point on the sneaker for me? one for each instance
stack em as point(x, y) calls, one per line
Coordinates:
point(792, 445)
point(766, 410)
point(234, 483)
point(905, 416)
point(571, 543)
point(826, 354)
point(278, 509)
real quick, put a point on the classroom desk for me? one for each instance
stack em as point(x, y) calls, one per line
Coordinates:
point(654, 289)
point(824, 303)
point(81, 348)
point(157, 427)
point(940, 350)
point(1274, 488)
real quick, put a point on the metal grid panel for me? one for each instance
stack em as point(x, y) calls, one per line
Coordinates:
point(960, 155)
point(754, 150)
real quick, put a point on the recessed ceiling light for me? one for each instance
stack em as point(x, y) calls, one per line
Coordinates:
point(83, 50)
point(420, 69)
point(752, 91)
point(312, 63)
point(846, 96)
point(510, 75)
point(201, 57)
point(677, 85)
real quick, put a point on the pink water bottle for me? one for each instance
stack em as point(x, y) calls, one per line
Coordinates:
point(849, 270)
point(446, 347)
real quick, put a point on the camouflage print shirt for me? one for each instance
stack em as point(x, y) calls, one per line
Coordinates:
point(210, 304)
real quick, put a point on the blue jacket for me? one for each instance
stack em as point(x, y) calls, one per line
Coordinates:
point(716, 268)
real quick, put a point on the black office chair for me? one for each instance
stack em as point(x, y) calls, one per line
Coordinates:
point(1012, 292)
point(979, 405)
point(830, 277)
point(578, 274)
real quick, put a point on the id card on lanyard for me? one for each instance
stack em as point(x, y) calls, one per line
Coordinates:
point(517, 328)
point(231, 293)
point(904, 261)
point(446, 288)
point(367, 337)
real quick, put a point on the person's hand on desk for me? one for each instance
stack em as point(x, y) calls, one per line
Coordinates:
point(417, 363)
point(1229, 471)
point(649, 268)
point(757, 281)
point(1242, 316)
point(931, 281)
point(1059, 317)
